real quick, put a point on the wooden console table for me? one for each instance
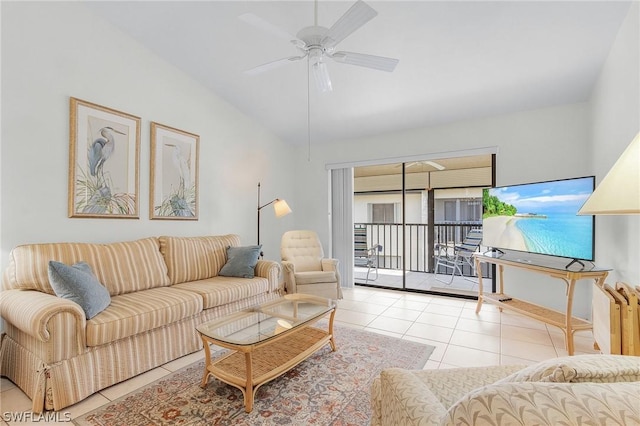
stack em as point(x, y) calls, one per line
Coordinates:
point(565, 321)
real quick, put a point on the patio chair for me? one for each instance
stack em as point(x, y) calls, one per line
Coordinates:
point(457, 256)
point(372, 261)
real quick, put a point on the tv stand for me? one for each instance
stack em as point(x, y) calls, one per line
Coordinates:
point(493, 252)
point(579, 262)
point(563, 320)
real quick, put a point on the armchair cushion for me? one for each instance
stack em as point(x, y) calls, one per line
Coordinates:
point(78, 284)
point(241, 262)
point(313, 277)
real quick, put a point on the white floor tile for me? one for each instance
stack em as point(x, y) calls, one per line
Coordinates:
point(443, 309)
point(390, 324)
point(467, 357)
point(479, 341)
point(430, 332)
point(526, 350)
point(437, 319)
point(353, 317)
point(400, 313)
point(483, 327)
point(538, 336)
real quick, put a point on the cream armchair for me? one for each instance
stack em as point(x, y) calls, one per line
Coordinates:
point(306, 270)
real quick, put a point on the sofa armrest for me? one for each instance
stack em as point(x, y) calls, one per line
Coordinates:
point(406, 400)
point(271, 271)
point(37, 314)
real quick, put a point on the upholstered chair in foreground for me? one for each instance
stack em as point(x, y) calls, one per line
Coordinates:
point(306, 270)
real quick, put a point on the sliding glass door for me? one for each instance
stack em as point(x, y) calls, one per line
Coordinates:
point(404, 213)
point(378, 211)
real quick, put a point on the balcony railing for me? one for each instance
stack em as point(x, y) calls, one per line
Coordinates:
point(418, 255)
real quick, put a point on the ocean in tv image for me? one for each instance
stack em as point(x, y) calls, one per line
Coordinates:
point(540, 218)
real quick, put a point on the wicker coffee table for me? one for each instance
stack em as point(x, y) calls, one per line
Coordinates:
point(266, 341)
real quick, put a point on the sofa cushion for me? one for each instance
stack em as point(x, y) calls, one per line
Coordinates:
point(195, 258)
point(585, 368)
point(135, 313)
point(241, 262)
point(535, 403)
point(220, 290)
point(121, 267)
point(78, 284)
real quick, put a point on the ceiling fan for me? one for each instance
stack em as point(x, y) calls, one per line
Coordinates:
point(319, 43)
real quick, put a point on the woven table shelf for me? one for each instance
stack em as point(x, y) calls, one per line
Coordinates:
point(538, 312)
point(265, 359)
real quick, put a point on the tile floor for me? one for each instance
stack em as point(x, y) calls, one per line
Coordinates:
point(461, 339)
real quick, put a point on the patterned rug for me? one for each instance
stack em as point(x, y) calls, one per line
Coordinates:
point(329, 388)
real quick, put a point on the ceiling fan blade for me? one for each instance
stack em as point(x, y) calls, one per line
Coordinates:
point(272, 65)
point(264, 25)
point(357, 15)
point(370, 61)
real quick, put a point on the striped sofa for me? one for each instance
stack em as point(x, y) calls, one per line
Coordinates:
point(160, 287)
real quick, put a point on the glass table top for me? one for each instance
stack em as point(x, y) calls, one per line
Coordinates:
point(263, 322)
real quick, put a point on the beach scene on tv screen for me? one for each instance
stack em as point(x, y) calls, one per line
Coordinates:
point(540, 218)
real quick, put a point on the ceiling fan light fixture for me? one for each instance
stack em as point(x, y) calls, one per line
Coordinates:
point(321, 76)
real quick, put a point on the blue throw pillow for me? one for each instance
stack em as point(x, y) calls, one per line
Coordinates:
point(78, 284)
point(241, 262)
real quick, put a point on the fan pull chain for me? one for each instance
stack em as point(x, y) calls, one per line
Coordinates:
point(315, 13)
point(308, 114)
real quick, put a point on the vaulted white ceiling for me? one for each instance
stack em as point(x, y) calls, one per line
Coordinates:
point(459, 60)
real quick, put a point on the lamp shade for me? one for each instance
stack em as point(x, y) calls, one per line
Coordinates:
point(619, 191)
point(281, 208)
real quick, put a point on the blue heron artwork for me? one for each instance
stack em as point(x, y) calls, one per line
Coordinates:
point(104, 154)
point(174, 173)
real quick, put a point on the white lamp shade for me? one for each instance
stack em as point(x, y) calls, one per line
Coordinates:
point(619, 191)
point(281, 208)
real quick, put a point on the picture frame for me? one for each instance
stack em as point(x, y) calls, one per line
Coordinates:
point(174, 173)
point(104, 152)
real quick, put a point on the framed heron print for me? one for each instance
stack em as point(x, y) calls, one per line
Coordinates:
point(104, 153)
point(174, 173)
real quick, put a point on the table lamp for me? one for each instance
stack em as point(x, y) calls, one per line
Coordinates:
point(619, 191)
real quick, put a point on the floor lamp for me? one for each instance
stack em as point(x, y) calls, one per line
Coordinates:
point(280, 207)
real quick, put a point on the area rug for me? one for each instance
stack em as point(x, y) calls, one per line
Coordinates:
point(329, 388)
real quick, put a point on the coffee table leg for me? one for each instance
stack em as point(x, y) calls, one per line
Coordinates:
point(207, 362)
point(332, 342)
point(249, 391)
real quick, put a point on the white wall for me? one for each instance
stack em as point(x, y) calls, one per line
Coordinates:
point(551, 143)
point(616, 120)
point(54, 50)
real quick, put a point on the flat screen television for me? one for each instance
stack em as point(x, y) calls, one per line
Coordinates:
point(540, 218)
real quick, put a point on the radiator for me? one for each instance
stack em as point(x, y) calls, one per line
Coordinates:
point(616, 319)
